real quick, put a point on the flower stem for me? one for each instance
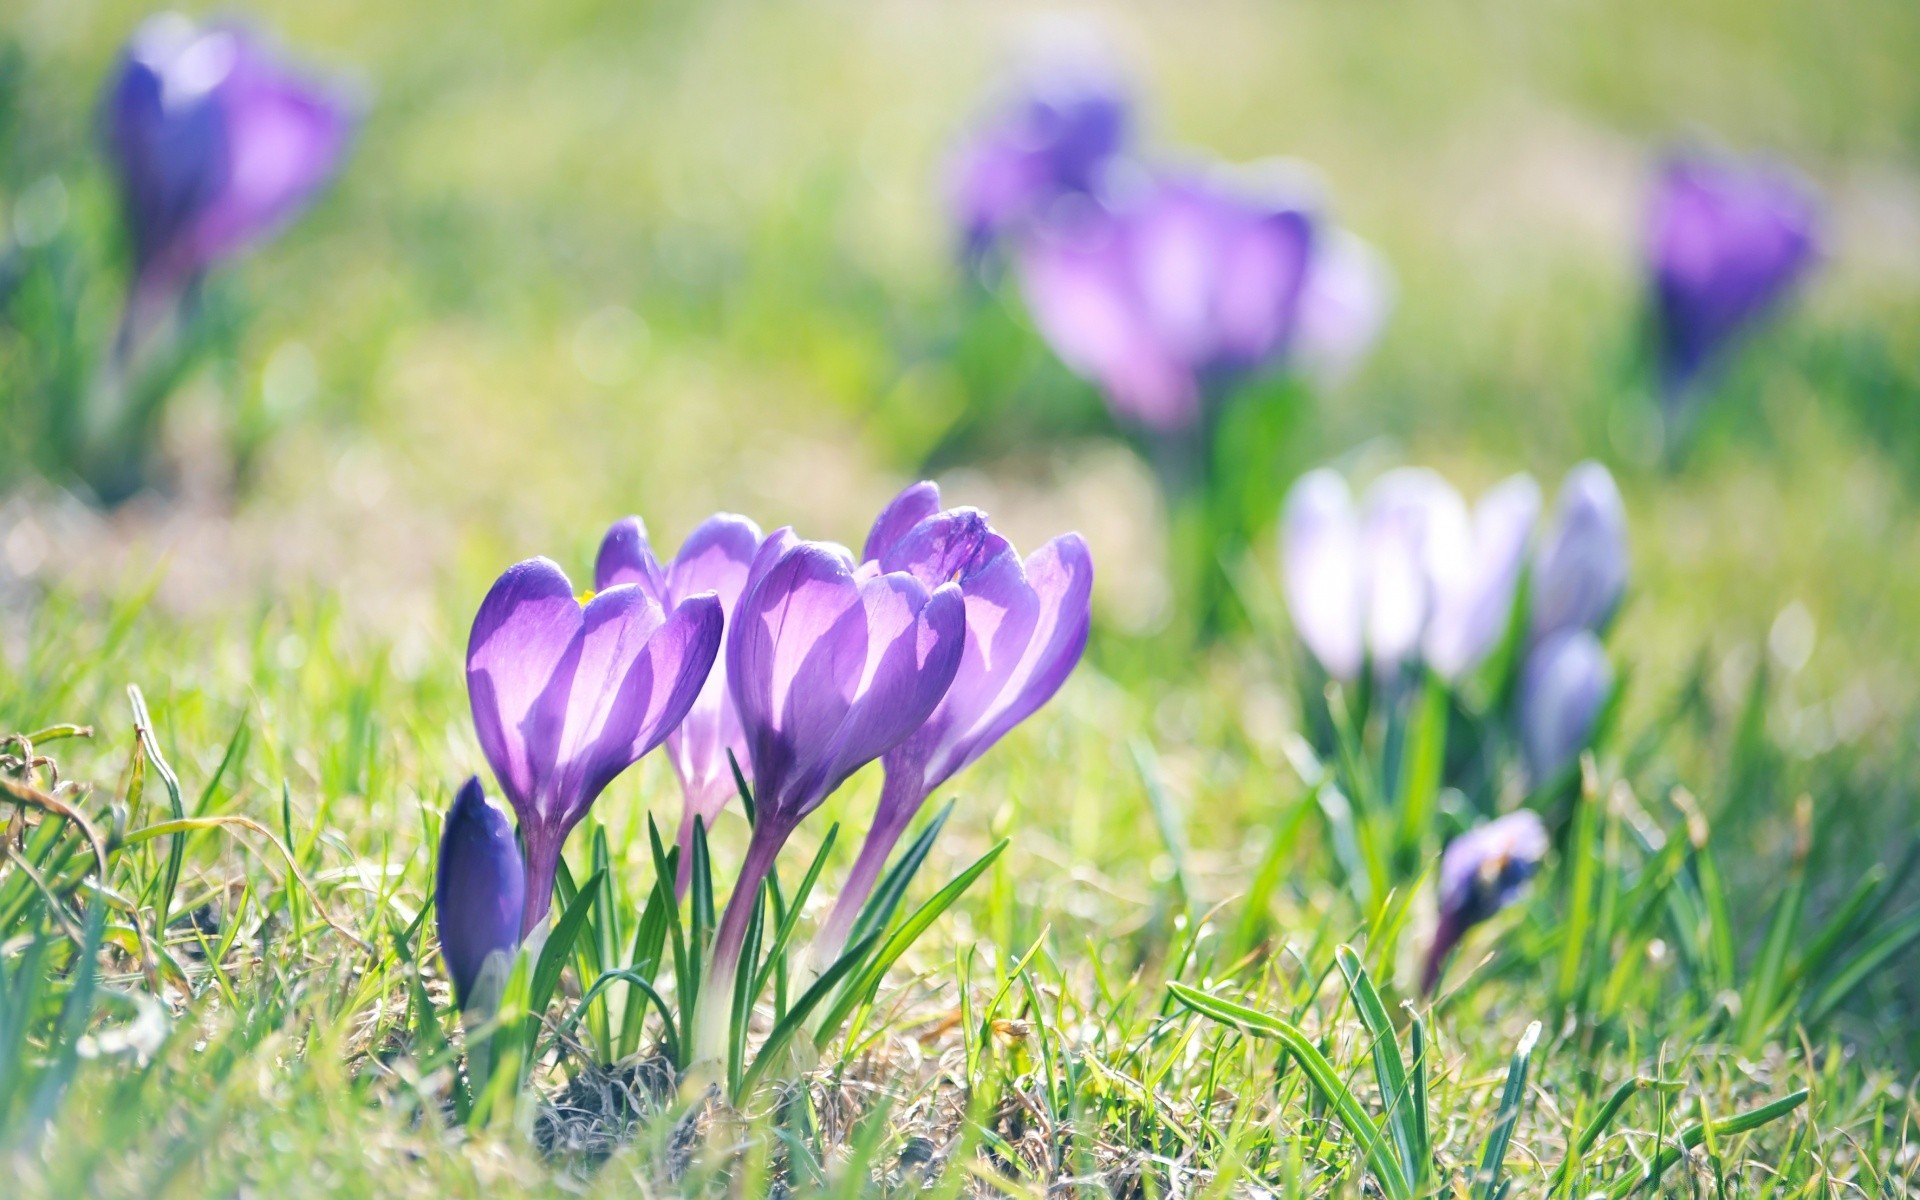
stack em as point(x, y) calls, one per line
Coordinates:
point(898, 803)
point(543, 862)
point(713, 1010)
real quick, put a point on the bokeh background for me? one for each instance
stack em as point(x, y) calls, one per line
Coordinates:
point(597, 258)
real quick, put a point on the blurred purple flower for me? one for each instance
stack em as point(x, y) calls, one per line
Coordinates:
point(1565, 685)
point(1026, 625)
point(1170, 292)
point(1409, 575)
point(1475, 583)
point(1580, 569)
point(217, 143)
point(479, 894)
point(1481, 872)
point(1348, 296)
point(715, 558)
point(1727, 240)
point(566, 695)
point(830, 667)
point(1054, 139)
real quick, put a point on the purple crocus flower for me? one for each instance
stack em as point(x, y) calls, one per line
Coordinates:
point(479, 895)
point(1481, 872)
point(1727, 240)
point(830, 667)
point(1055, 139)
point(1410, 575)
point(217, 143)
point(1580, 569)
point(567, 695)
point(1026, 625)
point(1168, 293)
point(715, 558)
point(1565, 685)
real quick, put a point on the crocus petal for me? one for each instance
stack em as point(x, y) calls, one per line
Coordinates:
point(1344, 305)
point(1321, 561)
point(627, 557)
point(916, 641)
point(1413, 521)
point(1727, 240)
point(286, 135)
point(479, 891)
point(948, 547)
point(634, 674)
point(717, 556)
point(1080, 285)
point(1474, 592)
point(1027, 625)
point(1580, 569)
point(913, 505)
point(166, 134)
point(523, 631)
point(1566, 684)
point(1056, 139)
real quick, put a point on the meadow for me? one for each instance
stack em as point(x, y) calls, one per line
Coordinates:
point(590, 259)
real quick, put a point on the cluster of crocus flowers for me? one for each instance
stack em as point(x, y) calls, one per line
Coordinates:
point(788, 658)
point(1410, 577)
point(1164, 283)
point(1482, 871)
point(216, 142)
point(1727, 240)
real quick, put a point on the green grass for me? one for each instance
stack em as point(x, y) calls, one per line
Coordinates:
point(755, 185)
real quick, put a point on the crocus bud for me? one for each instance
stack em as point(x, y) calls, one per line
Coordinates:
point(479, 895)
point(1190, 282)
point(1727, 240)
point(216, 142)
point(1563, 688)
point(1580, 569)
point(1481, 872)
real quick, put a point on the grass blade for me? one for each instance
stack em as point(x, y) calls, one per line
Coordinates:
point(1325, 1079)
point(1388, 1067)
point(1493, 1158)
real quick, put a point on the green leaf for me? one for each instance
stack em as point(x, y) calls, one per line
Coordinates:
point(554, 955)
point(1696, 1133)
point(1602, 1119)
point(790, 919)
point(1897, 936)
point(177, 846)
point(862, 985)
point(1763, 995)
point(1388, 1067)
point(796, 1018)
point(1422, 760)
point(1319, 1071)
point(1493, 1157)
